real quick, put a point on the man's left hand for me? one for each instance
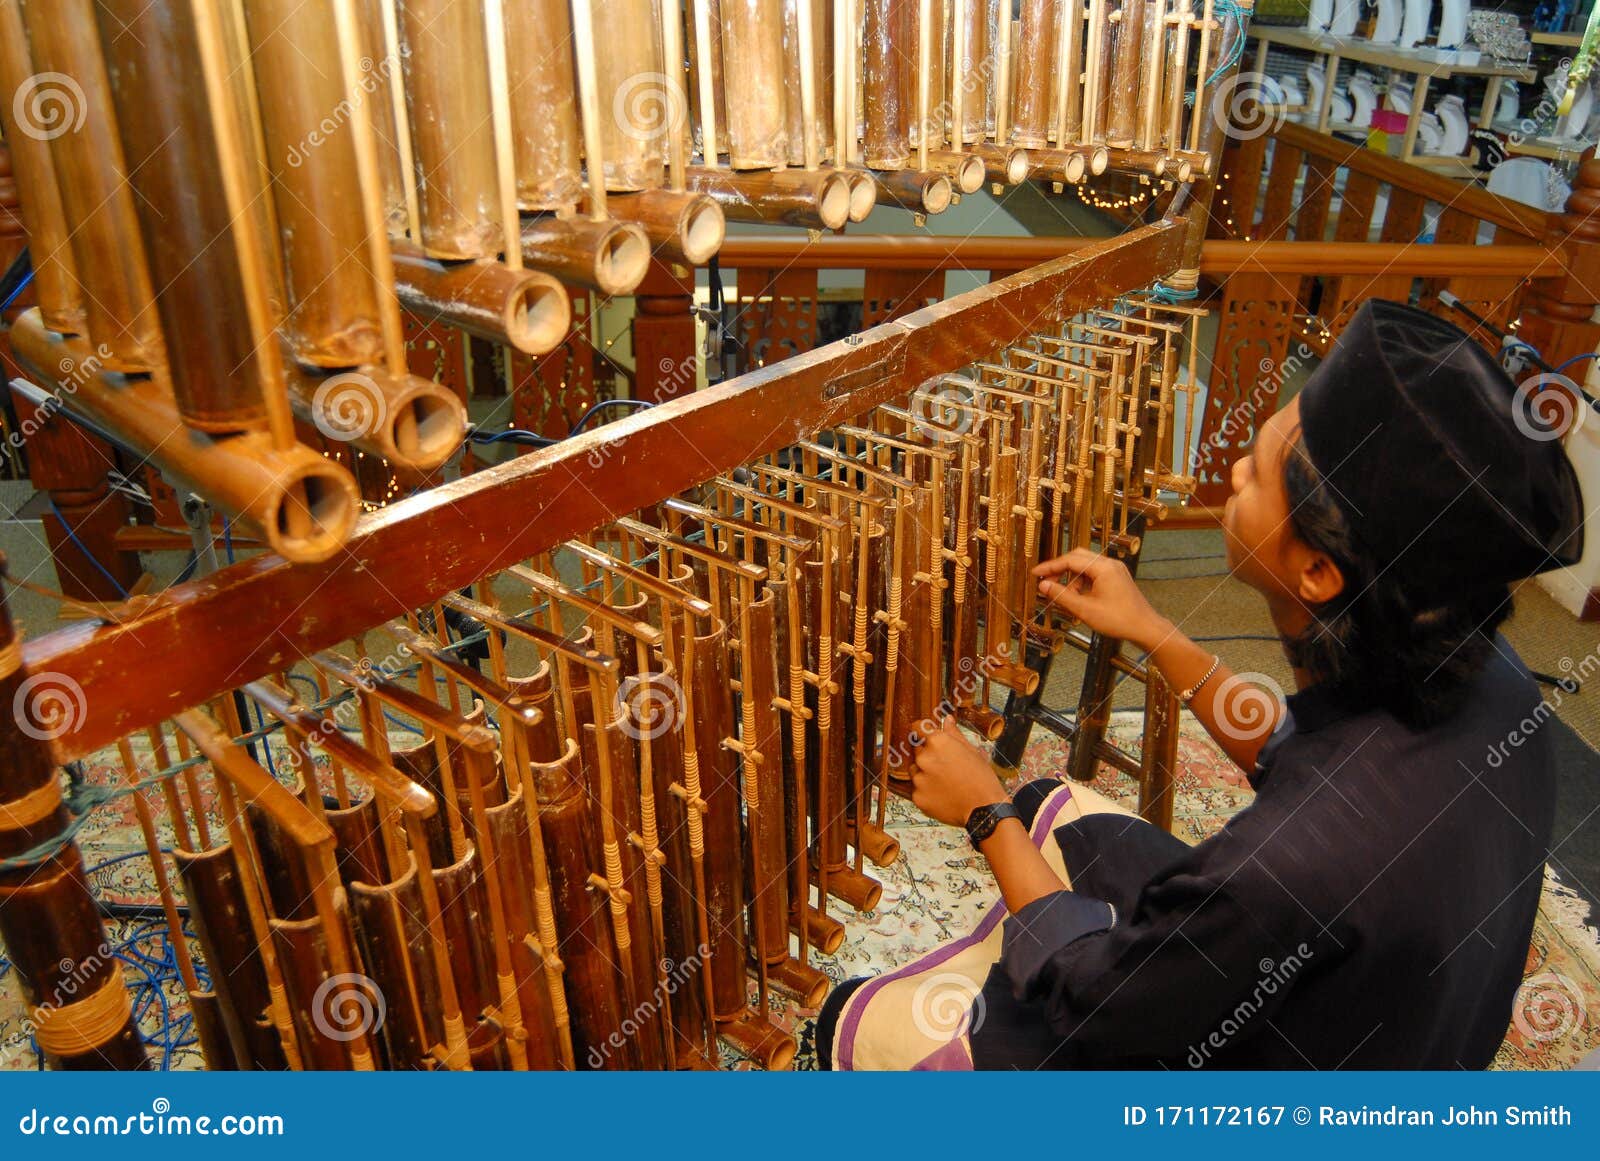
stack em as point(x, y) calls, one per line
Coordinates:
point(953, 777)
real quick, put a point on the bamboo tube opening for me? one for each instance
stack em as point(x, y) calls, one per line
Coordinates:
point(313, 514)
point(621, 259)
point(1185, 170)
point(863, 196)
point(835, 199)
point(936, 194)
point(1017, 167)
point(702, 229)
point(969, 178)
point(1099, 159)
point(426, 429)
point(538, 316)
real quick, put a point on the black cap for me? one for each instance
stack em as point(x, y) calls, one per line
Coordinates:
point(1446, 472)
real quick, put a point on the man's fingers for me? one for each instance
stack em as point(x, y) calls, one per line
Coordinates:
point(1079, 560)
point(1063, 596)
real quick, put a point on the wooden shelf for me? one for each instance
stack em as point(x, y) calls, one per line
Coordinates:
point(1564, 39)
point(1547, 149)
point(1383, 55)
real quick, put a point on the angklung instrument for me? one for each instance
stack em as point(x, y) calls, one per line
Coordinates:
point(658, 682)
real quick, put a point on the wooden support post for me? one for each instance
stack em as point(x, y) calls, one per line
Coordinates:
point(664, 356)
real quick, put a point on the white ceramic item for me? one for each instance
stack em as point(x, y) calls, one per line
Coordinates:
point(1414, 29)
point(1363, 99)
point(1452, 113)
point(1386, 29)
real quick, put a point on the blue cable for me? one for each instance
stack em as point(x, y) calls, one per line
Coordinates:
point(584, 419)
point(17, 290)
point(82, 547)
point(227, 538)
point(1574, 359)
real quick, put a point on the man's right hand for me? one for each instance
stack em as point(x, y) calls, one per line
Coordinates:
point(1101, 593)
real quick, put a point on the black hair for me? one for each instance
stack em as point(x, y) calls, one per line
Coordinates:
point(1374, 643)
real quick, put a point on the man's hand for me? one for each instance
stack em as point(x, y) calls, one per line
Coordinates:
point(952, 778)
point(1102, 594)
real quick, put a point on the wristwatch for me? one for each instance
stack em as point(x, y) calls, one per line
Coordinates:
point(981, 822)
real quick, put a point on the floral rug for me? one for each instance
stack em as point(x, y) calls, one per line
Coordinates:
point(936, 890)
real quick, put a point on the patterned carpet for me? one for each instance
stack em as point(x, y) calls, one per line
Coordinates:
point(937, 890)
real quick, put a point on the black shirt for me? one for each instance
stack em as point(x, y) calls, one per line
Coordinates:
point(1370, 909)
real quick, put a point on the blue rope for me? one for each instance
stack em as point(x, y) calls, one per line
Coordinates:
point(1224, 10)
point(17, 291)
point(84, 548)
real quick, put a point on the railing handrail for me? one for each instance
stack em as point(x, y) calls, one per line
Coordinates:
point(1470, 200)
point(1219, 257)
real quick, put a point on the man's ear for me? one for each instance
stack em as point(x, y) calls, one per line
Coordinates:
point(1321, 579)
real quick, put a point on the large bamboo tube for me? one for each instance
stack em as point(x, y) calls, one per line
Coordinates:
point(753, 71)
point(332, 315)
point(822, 71)
point(818, 199)
point(378, 84)
point(243, 475)
point(452, 135)
point(1122, 113)
point(610, 256)
point(544, 104)
point(889, 39)
point(92, 179)
point(55, 275)
point(637, 108)
point(1035, 53)
point(684, 227)
point(525, 309)
point(971, 72)
point(410, 421)
point(164, 122)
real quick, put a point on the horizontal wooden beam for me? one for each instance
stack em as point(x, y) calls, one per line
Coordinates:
point(259, 616)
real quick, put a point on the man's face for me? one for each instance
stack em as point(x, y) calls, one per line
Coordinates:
point(1255, 521)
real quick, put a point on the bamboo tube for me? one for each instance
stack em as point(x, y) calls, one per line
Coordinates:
point(685, 227)
point(678, 130)
point(705, 37)
point(1003, 162)
point(379, 83)
point(410, 421)
point(447, 91)
point(525, 309)
point(333, 313)
point(1068, 165)
point(243, 475)
point(1154, 162)
point(636, 111)
point(965, 170)
point(55, 275)
point(804, 110)
point(1177, 73)
point(1000, 22)
point(1094, 79)
point(863, 193)
point(1070, 99)
point(1122, 111)
point(844, 107)
point(919, 192)
point(796, 197)
point(971, 71)
point(544, 104)
point(924, 67)
point(888, 35)
point(609, 256)
point(92, 179)
point(752, 72)
point(1152, 73)
point(1035, 51)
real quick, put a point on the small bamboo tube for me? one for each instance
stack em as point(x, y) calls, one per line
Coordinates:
point(887, 83)
point(544, 105)
point(706, 35)
point(609, 256)
point(1152, 68)
point(92, 180)
point(1068, 165)
point(1000, 20)
point(55, 274)
point(447, 91)
point(589, 111)
point(494, 46)
point(1035, 51)
point(635, 112)
point(525, 309)
point(303, 503)
point(684, 227)
point(380, 74)
point(677, 98)
point(924, 77)
point(752, 72)
point(1004, 163)
point(410, 421)
point(919, 192)
point(807, 67)
point(966, 171)
point(1127, 53)
point(332, 318)
point(863, 193)
point(819, 200)
point(1093, 75)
